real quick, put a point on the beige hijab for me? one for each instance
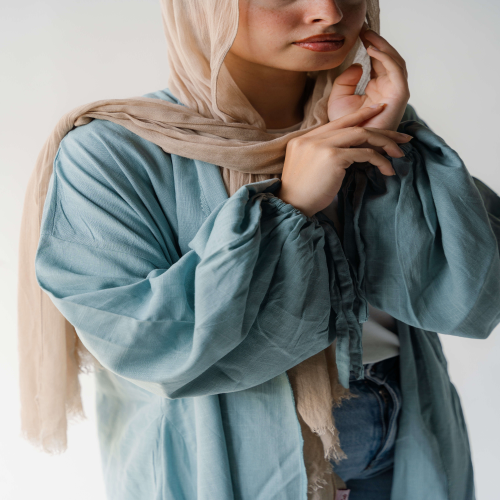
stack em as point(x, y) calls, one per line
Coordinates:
point(217, 125)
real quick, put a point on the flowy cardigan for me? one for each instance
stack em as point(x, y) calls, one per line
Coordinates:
point(197, 304)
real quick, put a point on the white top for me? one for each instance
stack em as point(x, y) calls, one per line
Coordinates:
point(379, 338)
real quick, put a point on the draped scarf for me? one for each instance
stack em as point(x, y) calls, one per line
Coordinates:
point(216, 124)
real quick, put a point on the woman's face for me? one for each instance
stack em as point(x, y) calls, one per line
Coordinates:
point(267, 31)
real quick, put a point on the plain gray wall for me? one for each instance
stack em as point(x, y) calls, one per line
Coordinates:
point(56, 55)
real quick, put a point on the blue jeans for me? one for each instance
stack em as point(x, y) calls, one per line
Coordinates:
point(367, 430)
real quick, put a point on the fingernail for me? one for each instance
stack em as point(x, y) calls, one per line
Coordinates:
point(378, 105)
point(393, 172)
point(406, 136)
point(373, 47)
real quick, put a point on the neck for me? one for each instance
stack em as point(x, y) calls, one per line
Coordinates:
point(277, 95)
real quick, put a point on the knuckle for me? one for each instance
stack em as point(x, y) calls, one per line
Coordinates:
point(295, 142)
point(332, 152)
point(334, 156)
point(359, 130)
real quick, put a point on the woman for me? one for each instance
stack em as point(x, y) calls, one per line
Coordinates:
point(199, 253)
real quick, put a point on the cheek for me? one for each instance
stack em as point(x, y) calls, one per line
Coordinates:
point(264, 28)
point(354, 13)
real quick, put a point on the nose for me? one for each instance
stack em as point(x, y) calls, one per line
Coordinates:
point(323, 12)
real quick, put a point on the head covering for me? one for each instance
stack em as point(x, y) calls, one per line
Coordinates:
point(218, 125)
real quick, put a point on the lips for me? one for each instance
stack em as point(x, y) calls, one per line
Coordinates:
point(325, 37)
point(321, 46)
point(322, 43)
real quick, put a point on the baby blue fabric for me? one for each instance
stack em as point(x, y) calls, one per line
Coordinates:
point(198, 405)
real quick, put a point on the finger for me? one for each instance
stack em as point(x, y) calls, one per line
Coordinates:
point(370, 37)
point(353, 119)
point(349, 156)
point(346, 82)
point(375, 148)
point(356, 136)
point(349, 120)
point(391, 66)
point(395, 136)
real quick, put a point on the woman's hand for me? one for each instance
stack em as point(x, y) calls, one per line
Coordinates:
point(315, 162)
point(388, 84)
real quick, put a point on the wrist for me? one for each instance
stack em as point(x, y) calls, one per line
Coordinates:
point(284, 196)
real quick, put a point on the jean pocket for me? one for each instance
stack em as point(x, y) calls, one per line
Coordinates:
point(390, 400)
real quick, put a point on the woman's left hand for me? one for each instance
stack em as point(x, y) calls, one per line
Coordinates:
point(389, 84)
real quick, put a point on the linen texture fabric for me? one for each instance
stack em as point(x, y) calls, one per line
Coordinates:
point(199, 411)
point(57, 302)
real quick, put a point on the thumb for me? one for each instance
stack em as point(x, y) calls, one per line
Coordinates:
point(345, 84)
point(342, 99)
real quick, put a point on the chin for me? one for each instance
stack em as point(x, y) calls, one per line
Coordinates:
point(318, 66)
point(317, 61)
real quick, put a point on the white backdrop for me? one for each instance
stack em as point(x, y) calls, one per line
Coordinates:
point(56, 55)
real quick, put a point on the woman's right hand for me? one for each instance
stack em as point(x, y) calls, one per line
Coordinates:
point(315, 162)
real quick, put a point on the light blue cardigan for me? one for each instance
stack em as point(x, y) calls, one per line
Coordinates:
point(197, 304)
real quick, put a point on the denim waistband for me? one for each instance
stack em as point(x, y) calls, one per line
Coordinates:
point(382, 369)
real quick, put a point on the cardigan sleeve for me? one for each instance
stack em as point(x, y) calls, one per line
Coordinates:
point(257, 293)
point(426, 240)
